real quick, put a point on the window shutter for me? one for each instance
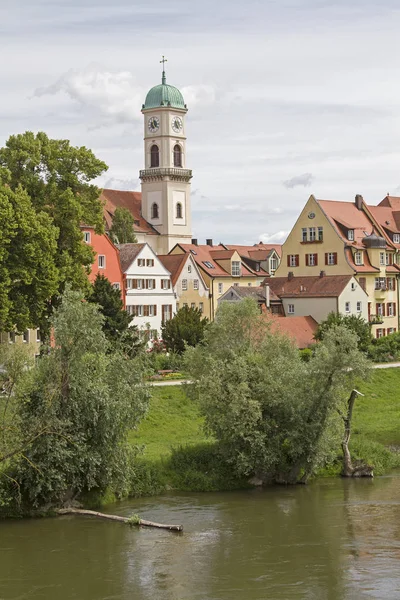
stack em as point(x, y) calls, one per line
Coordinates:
point(394, 309)
point(145, 310)
point(162, 284)
point(155, 310)
point(154, 284)
point(335, 258)
point(316, 259)
point(326, 258)
point(147, 284)
point(383, 309)
point(394, 284)
point(288, 260)
point(134, 284)
point(307, 260)
point(297, 260)
point(376, 307)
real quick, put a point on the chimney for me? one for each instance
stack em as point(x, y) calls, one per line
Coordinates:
point(359, 201)
point(290, 275)
point(322, 273)
point(267, 296)
point(194, 242)
point(209, 242)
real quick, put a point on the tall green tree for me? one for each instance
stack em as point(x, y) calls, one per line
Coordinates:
point(187, 326)
point(122, 231)
point(273, 414)
point(87, 401)
point(354, 323)
point(117, 324)
point(28, 246)
point(57, 177)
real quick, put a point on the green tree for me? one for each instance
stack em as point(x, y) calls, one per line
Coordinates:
point(28, 272)
point(117, 326)
point(57, 178)
point(354, 323)
point(186, 327)
point(273, 414)
point(121, 231)
point(87, 400)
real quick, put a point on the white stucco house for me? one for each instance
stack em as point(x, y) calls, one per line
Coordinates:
point(149, 294)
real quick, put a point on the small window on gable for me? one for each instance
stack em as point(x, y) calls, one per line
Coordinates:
point(177, 156)
point(396, 238)
point(179, 211)
point(347, 307)
point(154, 156)
point(154, 211)
point(290, 309)
point(86, 237)
point(350, 235)
point(189, 268)
point(102, 261)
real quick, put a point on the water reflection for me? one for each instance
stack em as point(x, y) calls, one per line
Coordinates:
point(331, 540)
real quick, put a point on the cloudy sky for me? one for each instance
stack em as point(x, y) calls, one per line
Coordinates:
point(286, 97)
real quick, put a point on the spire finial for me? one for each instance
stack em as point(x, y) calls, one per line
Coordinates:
point(163, 61)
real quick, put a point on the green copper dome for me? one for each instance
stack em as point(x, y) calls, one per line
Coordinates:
point(164, 95)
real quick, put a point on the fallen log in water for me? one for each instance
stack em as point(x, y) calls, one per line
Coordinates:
point(129, 520)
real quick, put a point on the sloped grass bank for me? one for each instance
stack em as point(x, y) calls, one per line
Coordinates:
point(178, 454)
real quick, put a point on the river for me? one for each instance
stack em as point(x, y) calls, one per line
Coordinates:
point(331, 540)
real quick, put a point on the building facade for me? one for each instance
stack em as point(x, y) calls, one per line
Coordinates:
point(106, 261)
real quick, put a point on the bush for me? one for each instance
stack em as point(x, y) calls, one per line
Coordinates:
point(385, 349)
point(306, 354)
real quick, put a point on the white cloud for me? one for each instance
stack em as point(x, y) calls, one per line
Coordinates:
point(198, 94)
point(279, 237)
point(114, 183)
point(305, 180)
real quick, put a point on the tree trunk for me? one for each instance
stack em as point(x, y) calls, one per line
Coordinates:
point(350, 470)
point(92, 513)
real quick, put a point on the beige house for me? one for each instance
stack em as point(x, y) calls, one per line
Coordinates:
point(349, 238)
point(187, 282)
point(30, 337)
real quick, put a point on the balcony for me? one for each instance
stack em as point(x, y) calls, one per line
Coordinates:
point(173, 174)
point(375, 319)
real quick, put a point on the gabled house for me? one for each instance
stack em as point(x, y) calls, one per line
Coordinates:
point(349, 238)
point(149, 296)
point(107, 261)
point(266, 299)
point(265, 257)
point(220, 269)
point(187, 282)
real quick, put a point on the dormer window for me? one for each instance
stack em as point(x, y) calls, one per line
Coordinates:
point(350, 235)
point(358, 258)
point(396, 238)
point(235, 268)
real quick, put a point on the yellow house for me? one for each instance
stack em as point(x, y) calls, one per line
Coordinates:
point(30, 337)
point(345, 238)
point(220, 269)
point(187, 282)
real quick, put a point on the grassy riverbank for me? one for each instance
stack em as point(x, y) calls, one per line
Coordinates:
point(177, 453)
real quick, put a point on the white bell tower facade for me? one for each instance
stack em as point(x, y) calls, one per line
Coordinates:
point(165, 178)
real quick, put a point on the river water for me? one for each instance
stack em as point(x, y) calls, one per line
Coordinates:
point(331, 540)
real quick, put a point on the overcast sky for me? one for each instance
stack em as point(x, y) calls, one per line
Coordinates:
point(286, 97)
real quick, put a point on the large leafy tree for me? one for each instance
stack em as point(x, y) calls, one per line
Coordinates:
point(122, 231)
point(28, 246)
point(186, 327)
point(57, 177)
point(354, 323)
point(86, 401)
point(117, 326)
point(273, 414)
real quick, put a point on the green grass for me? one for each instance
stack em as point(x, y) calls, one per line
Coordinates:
point(173, 420)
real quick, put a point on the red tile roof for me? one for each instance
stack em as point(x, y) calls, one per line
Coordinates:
point(258, 251)
point(365, 268)
point(328, 286)
point(174, 263)
point(132, 201)
point(300, 329)
point(203, 253)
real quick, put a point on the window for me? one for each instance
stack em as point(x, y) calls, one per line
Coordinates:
point(179, 211)
point(350, 235)
point(220, 288)
point(86, 237)
point(347, 307)
point(311, 260)
point(396, 238)
point(116, 285)
point(152, 310)
point(359, 306)
point(130, 309)
point(382, 258)
point(166, 312)
point(391, 283)
point(165, 284)
point(141, 262)
point(150, 284)
point(38, 335)
point(380, 333)
point(304, 234)
point(193, 305)
point(331, 258)
point(154, 211)
point(102, 261)
point(358, 258)
point(154, 156)
point(11, 337)
point(149, 262)
point(138, 310)
point(195, 284)
point(184, 284)
point(380, 309)
point(389, 258)
point(391, 309)
point(353, 286)
point(290, 309)
point(312, 234)
point(391, 330)
point(189, 268)
point(177, 156)
point(235, 268)
point(293, 260)
point(185, 304)
point(139, 284)
point(129, 284)
point(201, 307)
point(320, 234)
point(273, 265)
point(380, 283)
point(208, 264)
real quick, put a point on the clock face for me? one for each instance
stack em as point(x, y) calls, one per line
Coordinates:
point(177, 124)
point(154, 124)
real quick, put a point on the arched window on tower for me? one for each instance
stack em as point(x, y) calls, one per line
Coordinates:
point(177, 156)
point(154, 211)
point(154, 156)
point(179, 211)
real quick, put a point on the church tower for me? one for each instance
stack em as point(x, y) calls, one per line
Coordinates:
point(165, 178)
